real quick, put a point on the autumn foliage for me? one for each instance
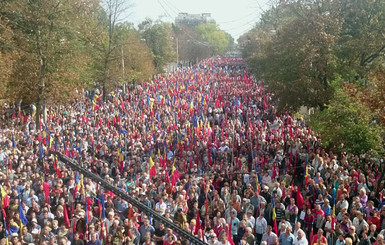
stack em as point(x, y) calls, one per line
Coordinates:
point(372, 95)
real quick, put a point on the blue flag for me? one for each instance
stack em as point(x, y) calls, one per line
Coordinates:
point(103, 208)
point(23, 219)
point(86, 210)
point(13, 141)
point(41, 151)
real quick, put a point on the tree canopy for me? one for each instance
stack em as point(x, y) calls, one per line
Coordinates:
point(346, 126)
point(299, 47)
point(217, 39)
point(328, 55)
point(49, 49)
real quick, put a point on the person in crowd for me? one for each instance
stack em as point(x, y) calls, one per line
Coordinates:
point(204, 147)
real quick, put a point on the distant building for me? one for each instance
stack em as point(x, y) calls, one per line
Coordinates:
point(193, 20)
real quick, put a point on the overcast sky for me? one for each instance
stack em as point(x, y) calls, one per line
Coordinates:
point(233, 16)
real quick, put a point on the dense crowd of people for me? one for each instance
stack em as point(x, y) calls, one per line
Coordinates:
point(203, 146)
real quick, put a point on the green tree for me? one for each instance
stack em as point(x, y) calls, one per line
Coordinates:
point(52, 62)
point(158, 36)
point(217, 39)
point(346, 125)
point(294, 54)
point(135, 62)
point(8, 56)
point(191, 47)
point(360, 48)
point(109, 46)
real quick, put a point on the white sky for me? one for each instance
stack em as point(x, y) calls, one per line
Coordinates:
point(233, 16)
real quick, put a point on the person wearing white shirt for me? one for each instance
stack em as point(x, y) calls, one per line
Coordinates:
point(266, 179)
point(160, 207)
point(222, 240)
point(297, 229)
point(300, 239)
point(278, 189)
point(342, 203)
point(250, 219)
point(260, 227)
point(359, 222)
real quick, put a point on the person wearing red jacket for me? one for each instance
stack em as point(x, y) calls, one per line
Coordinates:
point(375, 219)
point(321, 236)
point(309, 221)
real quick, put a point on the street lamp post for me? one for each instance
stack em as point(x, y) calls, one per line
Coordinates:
point(177, 51)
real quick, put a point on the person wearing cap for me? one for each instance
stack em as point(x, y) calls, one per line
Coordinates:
point(266, 194)
point(109, 221)
point(169, 233)
point(36, 228)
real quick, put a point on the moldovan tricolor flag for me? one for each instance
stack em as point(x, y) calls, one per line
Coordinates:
point(175, 175)
point(152, 168)
point(274, 217)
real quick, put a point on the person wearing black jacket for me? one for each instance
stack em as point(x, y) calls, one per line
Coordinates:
point(364, 239)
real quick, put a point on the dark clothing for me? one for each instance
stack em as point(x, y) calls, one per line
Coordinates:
point(97, 242)
point(78, 242)
point(160, 233)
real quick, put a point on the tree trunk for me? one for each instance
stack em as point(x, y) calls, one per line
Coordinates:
point(40, 109)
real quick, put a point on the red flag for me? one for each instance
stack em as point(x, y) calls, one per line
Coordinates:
point(58, 172)
point(65, 218)
point(90, 202)
point(300, 201)
point(152, 168)
point(175, 175)
point(109, 193)
point(198, 224)
point(229, 237)
point(4, 198)
point(166, 178)
point(46, 191)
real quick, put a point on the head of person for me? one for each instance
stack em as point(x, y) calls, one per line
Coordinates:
point(288, 230)
point(348, 241)
point(93, 237)
point(380, 239)
point(300, 234)
point(268, 229)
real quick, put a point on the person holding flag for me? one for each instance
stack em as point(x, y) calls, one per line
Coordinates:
point(274, 216)
point(233, 223)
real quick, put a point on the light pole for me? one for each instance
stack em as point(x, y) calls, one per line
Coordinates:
point(124, 83)
point(177, 51)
